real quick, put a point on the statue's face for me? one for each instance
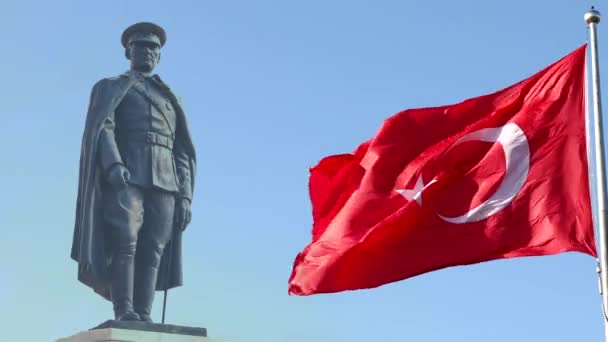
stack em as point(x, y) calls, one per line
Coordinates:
point(144, 55)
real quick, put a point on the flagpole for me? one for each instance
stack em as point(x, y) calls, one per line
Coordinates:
point(592, 18)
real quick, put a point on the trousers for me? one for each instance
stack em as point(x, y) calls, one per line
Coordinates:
point(140, 224)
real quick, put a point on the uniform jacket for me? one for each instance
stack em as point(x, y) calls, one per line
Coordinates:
point(141, 136)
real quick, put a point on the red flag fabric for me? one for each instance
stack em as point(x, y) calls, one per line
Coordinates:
point(498, 176)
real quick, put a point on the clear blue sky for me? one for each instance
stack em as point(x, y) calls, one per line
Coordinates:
point(271, 87)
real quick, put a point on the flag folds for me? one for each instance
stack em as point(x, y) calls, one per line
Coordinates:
point(498, 176)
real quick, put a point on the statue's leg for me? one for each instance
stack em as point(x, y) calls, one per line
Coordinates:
point(159, 207)
point(124, 212)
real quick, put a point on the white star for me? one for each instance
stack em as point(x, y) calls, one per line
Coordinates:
point(415, 193)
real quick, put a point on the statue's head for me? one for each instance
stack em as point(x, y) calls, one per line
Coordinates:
point(142, 42)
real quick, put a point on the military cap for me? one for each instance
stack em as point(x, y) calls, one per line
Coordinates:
point(144, 32)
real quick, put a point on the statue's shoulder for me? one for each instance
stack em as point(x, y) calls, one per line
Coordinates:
point(106, 88)
point(165, 87)
point(109, 83)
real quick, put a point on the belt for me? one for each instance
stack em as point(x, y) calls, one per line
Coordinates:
point(151, 138)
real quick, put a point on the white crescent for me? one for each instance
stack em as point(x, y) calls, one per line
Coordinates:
point(517, 159)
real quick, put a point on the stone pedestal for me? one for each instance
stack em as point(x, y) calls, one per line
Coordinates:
point(117, 331)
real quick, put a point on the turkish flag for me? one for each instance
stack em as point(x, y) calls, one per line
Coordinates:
point(498, 176)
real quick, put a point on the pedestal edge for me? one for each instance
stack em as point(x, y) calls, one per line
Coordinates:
point(152, 327)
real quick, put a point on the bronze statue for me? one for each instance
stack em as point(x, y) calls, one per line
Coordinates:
point(137, 170)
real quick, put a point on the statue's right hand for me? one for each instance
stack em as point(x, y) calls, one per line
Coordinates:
point(118, 175)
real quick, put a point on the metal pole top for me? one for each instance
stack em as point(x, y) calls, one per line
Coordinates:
point(592, 16)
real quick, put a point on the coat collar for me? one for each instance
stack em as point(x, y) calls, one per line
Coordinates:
point(132, 74)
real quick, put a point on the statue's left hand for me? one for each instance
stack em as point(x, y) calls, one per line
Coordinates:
point(183, 213)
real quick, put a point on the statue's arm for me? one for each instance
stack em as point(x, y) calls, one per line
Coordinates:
point(182, 165)
point(107, 149)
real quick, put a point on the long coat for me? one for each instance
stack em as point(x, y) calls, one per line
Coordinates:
point(91, 246)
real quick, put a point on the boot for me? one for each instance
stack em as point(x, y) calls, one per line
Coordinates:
point(145, 287)
point(122, 288)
